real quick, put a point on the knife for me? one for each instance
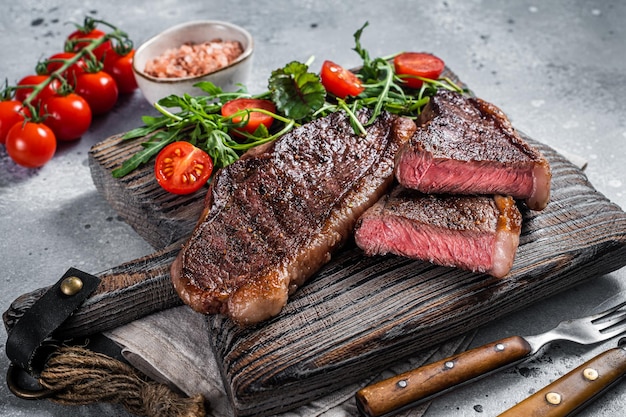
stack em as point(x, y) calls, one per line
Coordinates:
point(576, 389)
point(424, 383)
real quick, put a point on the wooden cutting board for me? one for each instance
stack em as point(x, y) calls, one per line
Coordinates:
point(359, 315)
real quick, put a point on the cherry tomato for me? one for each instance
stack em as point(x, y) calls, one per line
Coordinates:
point(182, 168)
point(51, 89)
point(11, 112)
point(256, 118)
point(68, 116)
point(31, 144)
point(339, 81)
point(420, 64)
point(72, 72)
point(98, 89)
point(121, 69)
point(83, 39)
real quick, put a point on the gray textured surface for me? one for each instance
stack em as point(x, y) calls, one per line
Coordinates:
point(558, 69)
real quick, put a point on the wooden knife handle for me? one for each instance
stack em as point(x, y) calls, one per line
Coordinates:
point(430, 380)
point(574, 390)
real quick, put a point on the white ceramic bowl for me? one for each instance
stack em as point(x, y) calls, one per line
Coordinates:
point(227, 78)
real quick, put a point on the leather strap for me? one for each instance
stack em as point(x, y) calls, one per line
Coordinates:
point(31, 339)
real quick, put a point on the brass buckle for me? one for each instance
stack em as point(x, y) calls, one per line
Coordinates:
point(14, 373)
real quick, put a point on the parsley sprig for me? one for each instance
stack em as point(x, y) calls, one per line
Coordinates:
point(299, 97)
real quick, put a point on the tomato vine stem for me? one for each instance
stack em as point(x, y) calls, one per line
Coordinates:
point(92, 44)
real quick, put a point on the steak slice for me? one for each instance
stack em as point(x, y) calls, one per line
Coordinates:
point(476, 233)
point(275, 216)
point(464, 145)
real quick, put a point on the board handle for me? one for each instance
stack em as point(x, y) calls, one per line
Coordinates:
point(428, 381)
point(125, 293)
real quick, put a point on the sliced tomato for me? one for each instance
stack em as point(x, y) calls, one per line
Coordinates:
point(339, 81)
point(182, 168)
point(256, 118)
point(418, 64)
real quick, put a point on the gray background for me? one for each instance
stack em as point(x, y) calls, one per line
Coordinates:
point(558, 69)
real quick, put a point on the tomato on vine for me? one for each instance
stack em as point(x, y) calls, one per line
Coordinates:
point(56, 61)
point(254, 118)
point(21, 93)
point(69, 116)
point(99, 89)
point(30, 144)
point(182, 168)
point(11, 113)
point(120, 67)
point(83, 36)
point(339, 81)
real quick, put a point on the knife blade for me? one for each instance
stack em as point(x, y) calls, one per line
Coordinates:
point(576, 389)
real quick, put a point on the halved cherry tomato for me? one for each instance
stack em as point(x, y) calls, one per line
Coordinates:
point(418, 64)
point(31, 144)
point(72, 72)
point(256, 118)
point(339, 81)
point(11, 112)
point(120, 67)
point(83, 40)
point(98, 89)
point(68, 116)
point(182, 168)
point(22, 93)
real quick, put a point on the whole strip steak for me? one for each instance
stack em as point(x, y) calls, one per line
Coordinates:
point(464, 145)
point(275, 216)
point(476, 233)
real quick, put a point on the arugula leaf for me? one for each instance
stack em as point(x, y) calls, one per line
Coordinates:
point(150, 149)
point(296, 92)
point(365, 56)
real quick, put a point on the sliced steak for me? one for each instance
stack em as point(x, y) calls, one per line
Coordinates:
point(476, 233)
point(275, 216)
point(465, 145)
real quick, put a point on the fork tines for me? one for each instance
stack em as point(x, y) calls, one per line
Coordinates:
point(613, 319)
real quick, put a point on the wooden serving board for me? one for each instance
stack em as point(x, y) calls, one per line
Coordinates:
point(360, 314)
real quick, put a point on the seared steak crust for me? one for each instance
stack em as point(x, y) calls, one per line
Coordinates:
point(274, 217)
point(477, 233)
point(466, 145)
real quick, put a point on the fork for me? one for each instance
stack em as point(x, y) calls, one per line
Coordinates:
point(429, 381)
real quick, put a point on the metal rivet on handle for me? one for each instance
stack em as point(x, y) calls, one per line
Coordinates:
point(553, 398)
point(449, 365)
point(71, 285)
point(499, 347)
point(591, 374)
point(402, 383)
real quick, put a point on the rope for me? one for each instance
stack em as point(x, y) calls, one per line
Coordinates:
point(80, 376)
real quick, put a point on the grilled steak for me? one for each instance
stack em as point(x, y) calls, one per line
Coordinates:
point(275, 216)
point(476, 233)
point(465, 145)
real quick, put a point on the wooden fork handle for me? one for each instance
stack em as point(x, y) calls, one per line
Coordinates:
point(574, 390)
point(428, 381)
